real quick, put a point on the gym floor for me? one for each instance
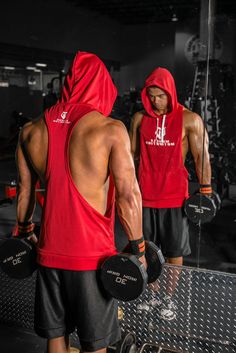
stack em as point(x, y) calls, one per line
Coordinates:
point(217, 252)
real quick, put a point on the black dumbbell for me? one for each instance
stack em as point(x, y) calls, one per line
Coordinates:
point(124, 276)
point(201, 207)
point(18, 257)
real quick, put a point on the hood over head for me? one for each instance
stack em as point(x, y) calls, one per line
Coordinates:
point(89, 82)
point(163, 79)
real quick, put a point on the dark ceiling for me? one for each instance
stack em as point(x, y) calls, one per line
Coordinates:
point(152, 11)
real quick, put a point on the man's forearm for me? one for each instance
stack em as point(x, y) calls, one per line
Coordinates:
point(205, 166)
point(130, 214)
point(25, 204)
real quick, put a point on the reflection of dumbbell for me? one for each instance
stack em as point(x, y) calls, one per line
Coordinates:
point(124, 276)
point(201, 207)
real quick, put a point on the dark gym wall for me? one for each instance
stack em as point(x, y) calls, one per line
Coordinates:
point(184, 70)
point(58, 25)
point(18, 99)
point(144, 48)
point(55, 25)
point(225, 31)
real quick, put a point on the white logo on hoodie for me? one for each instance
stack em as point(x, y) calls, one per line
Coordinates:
point(63, 119)
point(63, 115)
point(160, 134)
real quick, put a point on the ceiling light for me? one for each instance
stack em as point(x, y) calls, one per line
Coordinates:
point(4, 84)
point(9, 67)
point(41, 65)
point(30, 68)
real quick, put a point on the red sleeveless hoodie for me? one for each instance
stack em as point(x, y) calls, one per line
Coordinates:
point(163, 178)
point(74, 236)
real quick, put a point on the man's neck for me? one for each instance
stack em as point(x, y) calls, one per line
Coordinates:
point(160, 112)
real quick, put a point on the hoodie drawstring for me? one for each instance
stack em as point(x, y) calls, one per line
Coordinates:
point(162, 134)
point(163, 127)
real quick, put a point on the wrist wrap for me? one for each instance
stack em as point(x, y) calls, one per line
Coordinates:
point(205, 189)
point(25, 229)
point(137, 247)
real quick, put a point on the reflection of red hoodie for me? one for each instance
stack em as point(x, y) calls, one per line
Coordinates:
point(74, 236)
point(162, 176)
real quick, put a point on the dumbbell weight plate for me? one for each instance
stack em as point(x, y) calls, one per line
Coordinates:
point(124, 276)
point(217, 200)
point(155, 261)
point(18, 258)
point(200, 208)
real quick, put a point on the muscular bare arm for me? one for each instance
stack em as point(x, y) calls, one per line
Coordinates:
point(128, 197)
point(134, 136)
point(27, 179)
point(195, 132)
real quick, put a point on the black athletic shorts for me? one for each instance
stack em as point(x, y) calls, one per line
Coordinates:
point(69, 300)
point(168, 229)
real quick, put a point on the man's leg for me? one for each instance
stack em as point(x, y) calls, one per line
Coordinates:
point(171, 231)
point(167, 306)
point(173, 277)
point(58, 345)
point(173, 274)
point(176, 242)
point(62, 345)
point(175, 260)
point(50, 311)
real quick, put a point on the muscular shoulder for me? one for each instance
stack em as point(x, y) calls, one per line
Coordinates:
point(115, 134)
point(116, 130)
point(191, 120)
point(31, 128)
point(136, 120)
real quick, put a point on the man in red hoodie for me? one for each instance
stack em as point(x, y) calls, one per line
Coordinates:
point(161, 135)
point(82, 156)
